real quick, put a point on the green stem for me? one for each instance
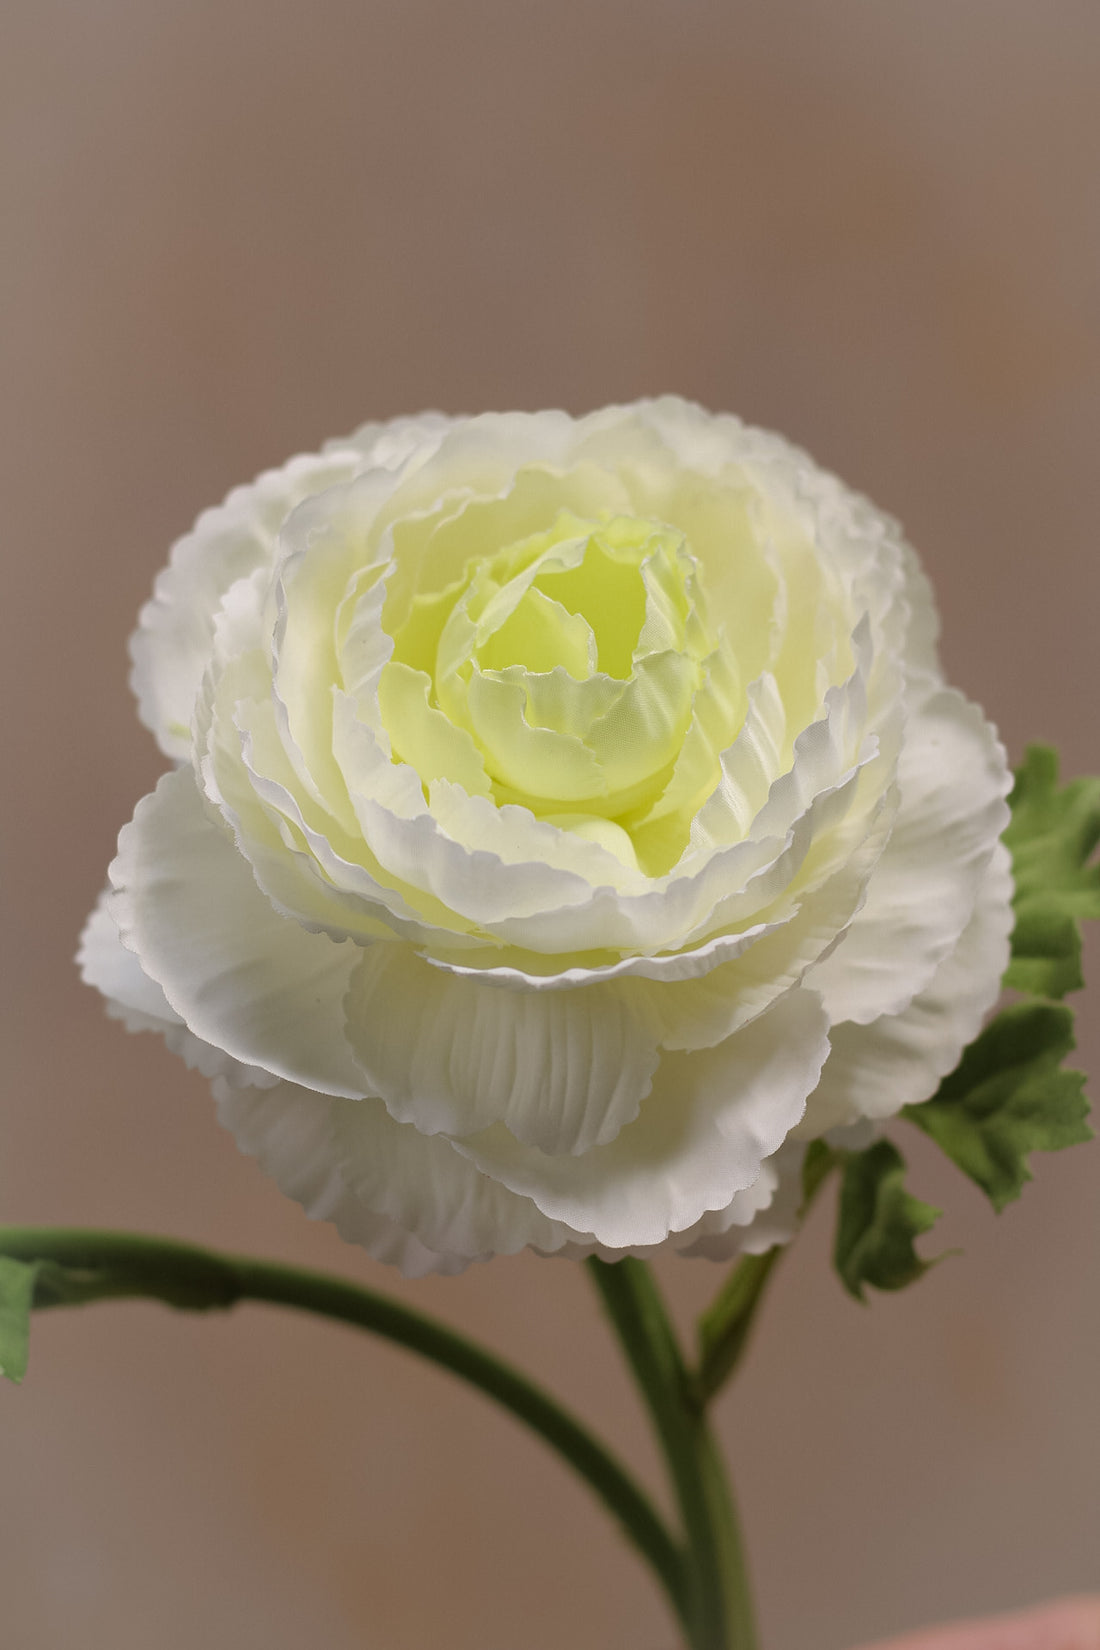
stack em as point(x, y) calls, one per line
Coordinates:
point(721, 1610)
point(90, 1265)
point(724, 1327)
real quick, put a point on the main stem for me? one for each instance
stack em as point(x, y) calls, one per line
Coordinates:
point(720, 1606)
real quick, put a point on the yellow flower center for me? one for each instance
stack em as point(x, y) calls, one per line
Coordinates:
point(559, 671)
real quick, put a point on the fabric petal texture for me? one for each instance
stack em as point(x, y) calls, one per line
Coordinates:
point(570, 822)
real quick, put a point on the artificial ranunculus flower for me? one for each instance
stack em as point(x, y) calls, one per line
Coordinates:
point(570, 822)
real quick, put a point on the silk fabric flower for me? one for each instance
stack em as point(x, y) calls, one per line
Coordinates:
point(570, 821)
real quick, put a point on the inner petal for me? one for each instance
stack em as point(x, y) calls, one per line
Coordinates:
point(541, 634)
point(605, 588)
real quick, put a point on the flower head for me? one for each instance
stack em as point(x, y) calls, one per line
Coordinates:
point(571, 821)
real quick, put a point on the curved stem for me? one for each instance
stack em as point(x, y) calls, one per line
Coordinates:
point(721, 1611)
point(82, 1266)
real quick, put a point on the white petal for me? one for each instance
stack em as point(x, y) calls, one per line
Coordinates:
point(105, 963)
point(513, 833)
point(698, 1013)
point(953, 778)
point(755, 1220)
point(310, 868)
point(898, 1060)
point(482, 455)
point(562, 1071)
point(921, 652)
point(141, 1005)
point(399, 443)
point(174, 639)
point(758, 1219)
point(423, 1185)
point(519, 971)
point(749, 767)
point(292, 1133)
point(329, 556)
point(702, 1135)
point(242, 977)
point(700, 440)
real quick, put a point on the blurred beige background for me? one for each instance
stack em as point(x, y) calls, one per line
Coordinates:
point(235, 227)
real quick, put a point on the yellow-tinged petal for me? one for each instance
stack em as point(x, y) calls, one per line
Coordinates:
point(540, 634)
point(595, 828)
point(605, 588)
point(422, 736)
point(640, 735)
point(555, 699)
point(536, 762)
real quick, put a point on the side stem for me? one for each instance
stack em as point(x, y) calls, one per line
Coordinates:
point(83, 1266)
point(725, 1326)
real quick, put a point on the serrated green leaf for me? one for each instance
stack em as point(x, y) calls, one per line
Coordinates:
point(17, 1281)
point(1008, 1097)
point(878, 1222)
point(1052, 835)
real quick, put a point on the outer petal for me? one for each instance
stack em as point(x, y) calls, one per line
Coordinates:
point(397, 443)
point(753, 1223)
point(105, 963)
point(562, 1071)
point(413, 1202)
point(953, 778)
point(691, 1014)
point(898, 1060)
point(175, 636)
point(172, 644)
point(291, 1133)
point(141, 1005)
point(757, 1219)
point(425, 1186)
point(240, 976)
point(711, 1120)
point(921, 651)
point(316, 1147)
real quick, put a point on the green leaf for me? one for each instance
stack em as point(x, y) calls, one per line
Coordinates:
point(1052, 835)
point(17, 1281)
point(878, 1222)
point(1008, 1097)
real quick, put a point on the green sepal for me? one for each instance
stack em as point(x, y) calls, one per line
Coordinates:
point(17, 1281)
point(1008, 1097)
point(1051, 835)
point(878, 1222)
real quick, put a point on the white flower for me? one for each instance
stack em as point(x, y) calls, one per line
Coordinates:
point(571, 820)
